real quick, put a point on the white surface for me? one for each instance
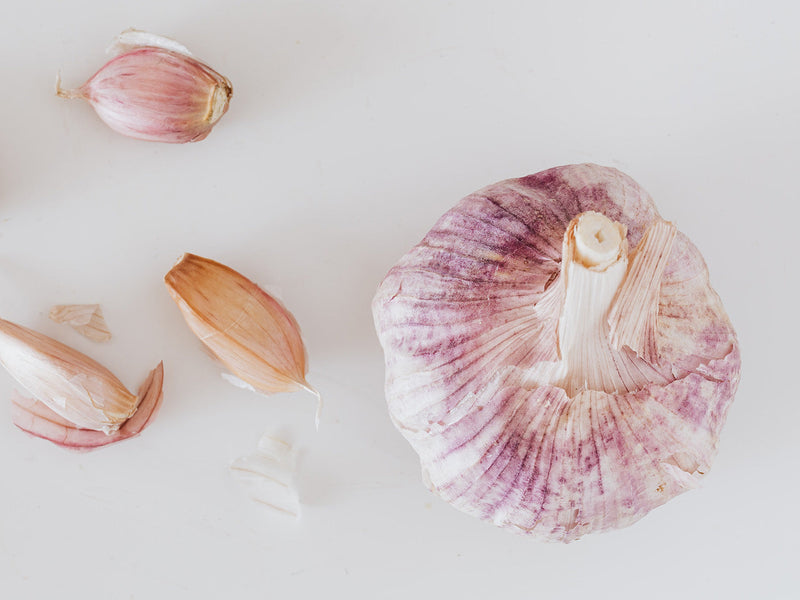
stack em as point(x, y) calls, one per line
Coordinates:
point(353, 126)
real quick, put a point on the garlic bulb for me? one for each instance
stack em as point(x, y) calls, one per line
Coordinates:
point(153, 89)
point(556, 355)
point(77, 402)
point(249, 331)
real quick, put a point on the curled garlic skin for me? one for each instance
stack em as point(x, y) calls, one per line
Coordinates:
point(556, 355)
point(154, 90)
point(77, 402)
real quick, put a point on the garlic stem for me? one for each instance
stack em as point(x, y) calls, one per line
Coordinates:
point(604, 297)
point(598, 240)
point(594, 268)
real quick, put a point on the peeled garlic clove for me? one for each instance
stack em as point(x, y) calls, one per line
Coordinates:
point(250, 332)
point(37, 419)
point(86, 319)
point(154, 90)
point(556, 355)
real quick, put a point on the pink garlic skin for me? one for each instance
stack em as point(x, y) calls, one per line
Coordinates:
point(35, 418)
point(155, 94)
point(466, 313)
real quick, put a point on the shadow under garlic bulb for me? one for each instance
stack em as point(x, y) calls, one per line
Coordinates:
point(556, 355)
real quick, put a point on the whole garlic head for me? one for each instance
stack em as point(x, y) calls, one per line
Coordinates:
point(556, 355)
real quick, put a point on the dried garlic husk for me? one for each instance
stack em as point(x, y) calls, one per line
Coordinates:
point(77, 402)
point(86, 319)
point(556, 355)
point(154, 89)
point(249, 331)
point(268, 475)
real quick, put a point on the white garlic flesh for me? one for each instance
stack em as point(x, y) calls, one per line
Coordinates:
point(556, 355)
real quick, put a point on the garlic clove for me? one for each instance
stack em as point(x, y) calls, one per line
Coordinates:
point(70, 383)
point(37, 419)
point(252, 334)
point(86, 319)
point(527, 369)
point(155, 90)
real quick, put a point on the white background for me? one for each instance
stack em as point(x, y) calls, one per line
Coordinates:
point(353, 126)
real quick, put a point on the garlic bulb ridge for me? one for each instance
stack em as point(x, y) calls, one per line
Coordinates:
point(555, 354)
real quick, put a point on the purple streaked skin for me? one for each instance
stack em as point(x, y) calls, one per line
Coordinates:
point(470, 310)
point(155, 94)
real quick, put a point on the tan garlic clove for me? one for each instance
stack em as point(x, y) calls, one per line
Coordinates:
point(86, 319)
point(249, 331)
point(79, 390)
point(155, 90)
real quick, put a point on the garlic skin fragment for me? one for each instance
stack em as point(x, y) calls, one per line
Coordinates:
point(247, 330)
point(268, 476)
point(86, 319)
point(553, 384)
point(155, 90)
point(76, 391)
point(130, 39)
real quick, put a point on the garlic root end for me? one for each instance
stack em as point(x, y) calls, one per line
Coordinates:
point(70, 94)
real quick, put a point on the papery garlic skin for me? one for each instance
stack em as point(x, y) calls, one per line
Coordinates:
point(478, 375)
point(86, 319)
point(268, 476)
point(35, 418)
point(156, 93)
point(71, 384)
point(248, 330)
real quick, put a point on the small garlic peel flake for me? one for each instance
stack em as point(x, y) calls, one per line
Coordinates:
point(86, 319)
point(130, 39)
point(547, 396)
point(268, 476)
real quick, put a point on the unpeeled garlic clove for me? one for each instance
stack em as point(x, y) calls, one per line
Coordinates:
point(249, 331)
point(80, 391)
point(154, 90)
